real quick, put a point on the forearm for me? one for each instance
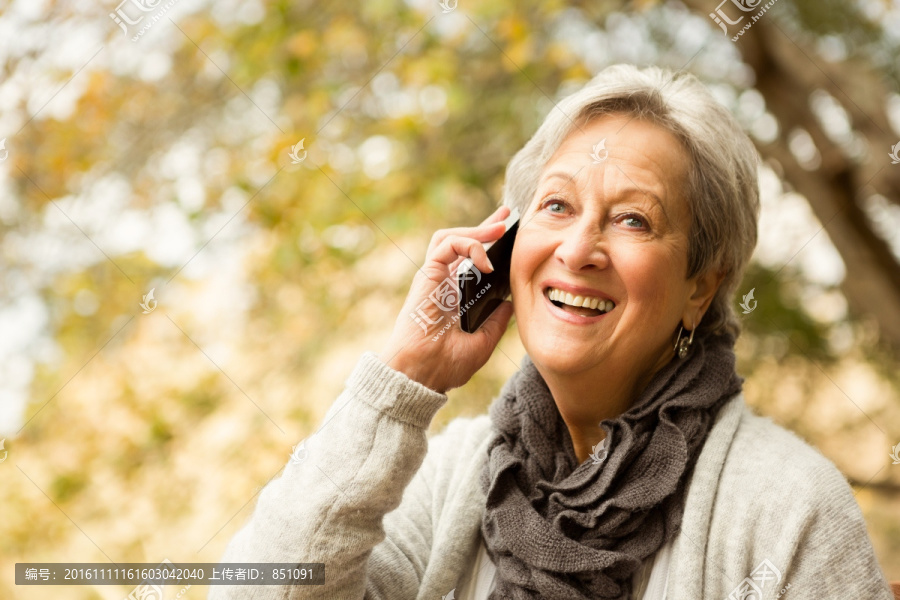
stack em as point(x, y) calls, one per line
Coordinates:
point(330, 506)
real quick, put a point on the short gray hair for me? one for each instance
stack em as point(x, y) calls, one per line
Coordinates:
point(723, 190)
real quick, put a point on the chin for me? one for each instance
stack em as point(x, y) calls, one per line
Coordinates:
point(560, 359)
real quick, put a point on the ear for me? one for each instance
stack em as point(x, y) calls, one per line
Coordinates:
point(703, 289)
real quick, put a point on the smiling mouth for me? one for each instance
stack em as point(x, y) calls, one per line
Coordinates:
point(584, 306)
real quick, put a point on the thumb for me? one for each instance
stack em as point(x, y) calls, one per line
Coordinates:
point(494, 328)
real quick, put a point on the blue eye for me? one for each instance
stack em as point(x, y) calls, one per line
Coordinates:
point(558, 203)
point(634, 218)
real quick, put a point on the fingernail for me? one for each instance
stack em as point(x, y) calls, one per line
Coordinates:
point(489, 263)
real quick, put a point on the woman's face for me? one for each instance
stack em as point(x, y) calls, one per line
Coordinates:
point(610, 230)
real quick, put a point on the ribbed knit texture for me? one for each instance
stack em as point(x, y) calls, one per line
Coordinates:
point(395, 515)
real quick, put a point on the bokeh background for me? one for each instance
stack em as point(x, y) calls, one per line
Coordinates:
point(160, 161)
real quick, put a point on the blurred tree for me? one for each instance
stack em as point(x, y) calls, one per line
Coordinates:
point(164, 164)
point(828, 72)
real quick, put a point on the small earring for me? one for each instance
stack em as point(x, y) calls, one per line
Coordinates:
point(682, 344)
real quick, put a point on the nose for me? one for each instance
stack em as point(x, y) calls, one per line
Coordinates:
point(583, 245)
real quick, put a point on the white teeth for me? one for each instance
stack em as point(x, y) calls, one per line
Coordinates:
point(584, 301)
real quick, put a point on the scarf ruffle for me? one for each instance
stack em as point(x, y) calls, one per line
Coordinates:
point(559, 530)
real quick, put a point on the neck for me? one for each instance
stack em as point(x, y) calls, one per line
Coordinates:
point(586, 399)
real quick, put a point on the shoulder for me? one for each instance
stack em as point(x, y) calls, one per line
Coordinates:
point(761, 497)
point(781, 504)
point(767, 459)
point(775, 490)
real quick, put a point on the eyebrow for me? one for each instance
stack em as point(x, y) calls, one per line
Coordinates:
point(636, 189)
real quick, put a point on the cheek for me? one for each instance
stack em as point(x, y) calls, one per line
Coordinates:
point(526, 256)
point(651, 278)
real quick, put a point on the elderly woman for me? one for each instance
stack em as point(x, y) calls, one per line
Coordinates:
point(620, 461)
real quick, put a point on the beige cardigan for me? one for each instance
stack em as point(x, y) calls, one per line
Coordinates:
point(395, 515)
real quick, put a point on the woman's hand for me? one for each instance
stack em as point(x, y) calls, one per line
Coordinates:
point(450, 360)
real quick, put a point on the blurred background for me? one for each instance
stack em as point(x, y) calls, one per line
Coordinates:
point(181, 300)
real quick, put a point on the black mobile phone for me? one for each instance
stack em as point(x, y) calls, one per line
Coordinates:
point(481, 293)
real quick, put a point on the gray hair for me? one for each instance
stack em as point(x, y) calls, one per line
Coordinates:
point(722, 189)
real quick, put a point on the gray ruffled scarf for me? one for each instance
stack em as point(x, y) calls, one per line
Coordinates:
point(559, 530)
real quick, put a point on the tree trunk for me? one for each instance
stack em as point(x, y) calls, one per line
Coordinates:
point(787, 73)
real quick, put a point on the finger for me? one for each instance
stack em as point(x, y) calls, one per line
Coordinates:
point(498, 215)
point(482, 233)
point(487, 231)
point(456, 263)
point(494, 328)
point(457, 246)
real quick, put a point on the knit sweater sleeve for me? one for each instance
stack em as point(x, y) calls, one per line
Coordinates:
point(330, 507)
